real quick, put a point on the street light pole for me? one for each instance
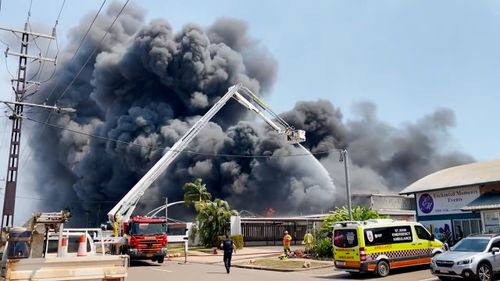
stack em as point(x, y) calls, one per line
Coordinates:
point(345, 158)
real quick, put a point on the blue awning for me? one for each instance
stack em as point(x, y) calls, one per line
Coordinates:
point(487, 201)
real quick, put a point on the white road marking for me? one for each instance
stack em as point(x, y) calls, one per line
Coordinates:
point(164, 270)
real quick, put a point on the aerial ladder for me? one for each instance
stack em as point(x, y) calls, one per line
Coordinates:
point(123, 211)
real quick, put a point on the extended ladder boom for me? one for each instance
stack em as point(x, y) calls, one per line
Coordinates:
point(125, 208)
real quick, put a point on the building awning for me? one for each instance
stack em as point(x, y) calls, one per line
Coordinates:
point(487, 201)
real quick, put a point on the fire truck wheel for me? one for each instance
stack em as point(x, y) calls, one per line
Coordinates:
point(160, 259)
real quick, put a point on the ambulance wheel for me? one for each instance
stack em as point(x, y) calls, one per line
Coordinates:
point(382, 268)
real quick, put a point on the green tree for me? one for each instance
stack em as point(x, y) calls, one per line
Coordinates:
point(213, 219)
point(323, 242)
point(196, 193)
point(359, 213)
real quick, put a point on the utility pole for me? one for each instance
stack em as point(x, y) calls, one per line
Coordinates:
point(16, 117)
point(345, 158)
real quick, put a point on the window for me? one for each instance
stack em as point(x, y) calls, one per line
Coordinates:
point(491, 219)
point(468, 227)
point(345, 238)
point(422, 233)
point(495, 244)
point(147, 228)
point(388, 235)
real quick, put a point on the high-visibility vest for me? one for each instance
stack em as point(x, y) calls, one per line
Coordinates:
point(287, 239)
point(308, 238)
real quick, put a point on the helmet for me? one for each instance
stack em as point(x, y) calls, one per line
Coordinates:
point(286, 232)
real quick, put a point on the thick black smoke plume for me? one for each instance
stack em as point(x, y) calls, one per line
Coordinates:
point(146, 85)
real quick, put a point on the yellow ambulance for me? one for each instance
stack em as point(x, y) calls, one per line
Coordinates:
point(382, 244)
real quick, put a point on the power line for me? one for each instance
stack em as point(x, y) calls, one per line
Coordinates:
point(86, 62)
point(20, 91)
point(180, 151)
point(29, 11)
point(73, 58)
point(93, 52)
point(60, 11)
point(79, 45)
point(42, 65)
point(7, 66)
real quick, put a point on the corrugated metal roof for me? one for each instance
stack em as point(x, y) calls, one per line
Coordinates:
point(486, 201)
point(463, 175)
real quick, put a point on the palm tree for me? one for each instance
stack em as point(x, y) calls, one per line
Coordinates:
point(196, 192)
point(213, 219)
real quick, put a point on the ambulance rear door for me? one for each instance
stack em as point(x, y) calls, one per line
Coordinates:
point(346, 247)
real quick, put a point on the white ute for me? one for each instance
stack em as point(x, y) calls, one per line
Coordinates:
point(27, 256)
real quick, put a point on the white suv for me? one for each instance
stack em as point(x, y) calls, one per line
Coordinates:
point(475, 257)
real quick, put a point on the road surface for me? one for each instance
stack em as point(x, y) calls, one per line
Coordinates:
point(173, 270)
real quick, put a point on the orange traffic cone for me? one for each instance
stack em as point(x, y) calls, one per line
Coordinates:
point(63, 250)
point(82, 246)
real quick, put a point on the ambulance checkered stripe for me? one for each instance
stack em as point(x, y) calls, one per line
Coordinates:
point(401, 254)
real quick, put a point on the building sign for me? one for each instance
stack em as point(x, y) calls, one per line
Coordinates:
point(448, 201)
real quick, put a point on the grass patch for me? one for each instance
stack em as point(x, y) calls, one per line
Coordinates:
point(174, 250)
point(179, 248)
point(204, 250)
point(276, 263)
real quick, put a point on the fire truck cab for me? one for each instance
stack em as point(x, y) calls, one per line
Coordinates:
point(146, 238)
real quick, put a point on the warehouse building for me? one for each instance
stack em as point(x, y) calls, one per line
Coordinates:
point(393, 206)
point(460, 200)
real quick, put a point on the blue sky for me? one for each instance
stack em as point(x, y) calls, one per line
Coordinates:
point(408, 57)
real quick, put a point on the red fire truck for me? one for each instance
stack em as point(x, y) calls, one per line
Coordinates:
point(146, 238)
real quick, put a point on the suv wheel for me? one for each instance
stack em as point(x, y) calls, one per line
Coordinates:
point(484, 272)
point(383, 269)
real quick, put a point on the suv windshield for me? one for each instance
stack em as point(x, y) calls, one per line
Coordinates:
point(148, 228)
point(470, 245)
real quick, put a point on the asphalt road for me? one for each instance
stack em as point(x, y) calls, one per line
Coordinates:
point(172, 270)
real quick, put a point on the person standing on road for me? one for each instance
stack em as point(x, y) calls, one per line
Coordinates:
point(287, 239)
point(308, 241)
point(228, 247)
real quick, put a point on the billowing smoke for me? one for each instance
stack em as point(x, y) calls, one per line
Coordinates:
point(146, 85)
point(383, 158)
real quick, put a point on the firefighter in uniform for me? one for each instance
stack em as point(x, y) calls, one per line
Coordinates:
point(287, 239)
point(308, 241)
